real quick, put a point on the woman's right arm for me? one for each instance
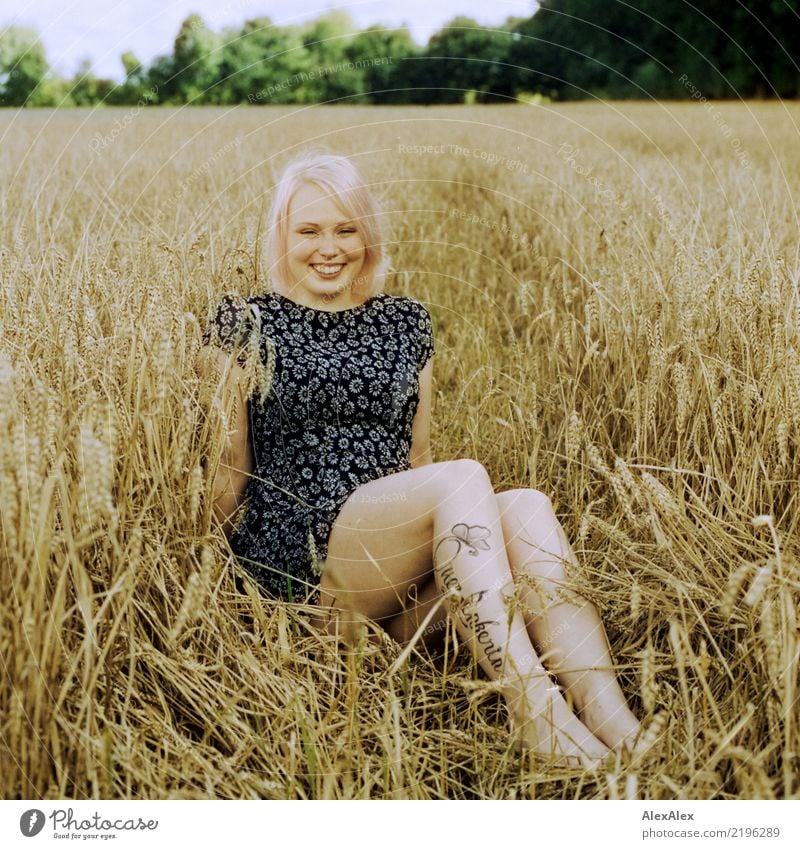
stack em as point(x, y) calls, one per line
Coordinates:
point(237, 462)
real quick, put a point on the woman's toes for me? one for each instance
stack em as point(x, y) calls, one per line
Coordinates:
point(555, 732)
point(615, 725)
point(643, 742)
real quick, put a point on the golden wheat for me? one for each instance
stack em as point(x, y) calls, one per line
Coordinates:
point(655, 323)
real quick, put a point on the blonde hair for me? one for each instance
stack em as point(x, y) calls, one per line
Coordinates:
point(340, 180)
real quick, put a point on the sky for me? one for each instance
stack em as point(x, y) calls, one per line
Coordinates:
point(102, 30)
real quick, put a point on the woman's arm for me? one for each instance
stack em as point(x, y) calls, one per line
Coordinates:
point(237, 463)
point(420, 453)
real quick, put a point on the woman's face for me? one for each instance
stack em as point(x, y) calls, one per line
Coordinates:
point(325, 251)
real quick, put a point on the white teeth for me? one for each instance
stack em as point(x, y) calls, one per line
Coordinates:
point(328, 269)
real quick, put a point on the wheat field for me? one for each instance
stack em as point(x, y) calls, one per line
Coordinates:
point(615, 295)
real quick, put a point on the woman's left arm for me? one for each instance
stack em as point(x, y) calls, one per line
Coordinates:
point(420, 453)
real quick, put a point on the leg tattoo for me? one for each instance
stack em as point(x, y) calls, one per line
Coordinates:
point(473, 538)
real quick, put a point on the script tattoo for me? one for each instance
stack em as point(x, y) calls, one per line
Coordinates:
point(474, 538)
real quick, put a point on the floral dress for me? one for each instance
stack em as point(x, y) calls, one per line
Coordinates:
point(338, 413)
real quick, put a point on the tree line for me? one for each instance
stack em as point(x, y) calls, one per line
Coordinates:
point(567, 50)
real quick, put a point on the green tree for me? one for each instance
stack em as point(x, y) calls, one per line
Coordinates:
point(660, 48)
point(133, 67)
point(380, 54)
point(465, 60)
point(260, 64)
point(330, 76)
point(160, 80)
point(133, 89)
point(23, 66)
point(197, 56)
point(761, 52)
point(573, 48)
point(85, 89)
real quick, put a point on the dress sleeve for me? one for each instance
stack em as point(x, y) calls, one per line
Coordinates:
point(426, 348)
point(231, 327)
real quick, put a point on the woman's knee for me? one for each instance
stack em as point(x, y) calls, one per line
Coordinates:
point(534, 503)
point(533, 533)
point(464, 474)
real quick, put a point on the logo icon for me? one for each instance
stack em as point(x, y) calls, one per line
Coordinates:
point(31, 822)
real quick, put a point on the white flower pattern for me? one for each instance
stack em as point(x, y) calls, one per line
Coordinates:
point(338, 414)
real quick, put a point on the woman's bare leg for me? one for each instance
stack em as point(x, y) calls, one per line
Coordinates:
point(565, 627)
point(390, 533)
point(421, 600)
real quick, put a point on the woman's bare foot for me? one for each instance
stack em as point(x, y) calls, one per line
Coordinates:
point(604, 711)
point(614, 724)
point(646, 739)
point(549, 728)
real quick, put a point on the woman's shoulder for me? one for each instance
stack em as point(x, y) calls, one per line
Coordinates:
point(237, 307)
point(406, 304)
point(233, 318)
point(256, 309)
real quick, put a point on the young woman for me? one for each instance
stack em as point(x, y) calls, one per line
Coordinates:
point(328, 491)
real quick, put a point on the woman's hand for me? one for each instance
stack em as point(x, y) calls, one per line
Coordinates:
point(237, 462)
point(420, 453)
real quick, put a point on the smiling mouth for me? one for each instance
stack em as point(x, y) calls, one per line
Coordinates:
point(328, 269)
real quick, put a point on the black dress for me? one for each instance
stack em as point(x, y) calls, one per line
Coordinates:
point(338, 414)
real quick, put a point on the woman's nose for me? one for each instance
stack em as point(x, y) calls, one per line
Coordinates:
point(328, 246)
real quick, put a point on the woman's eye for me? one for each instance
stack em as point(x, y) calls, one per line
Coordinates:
point(347, 232)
